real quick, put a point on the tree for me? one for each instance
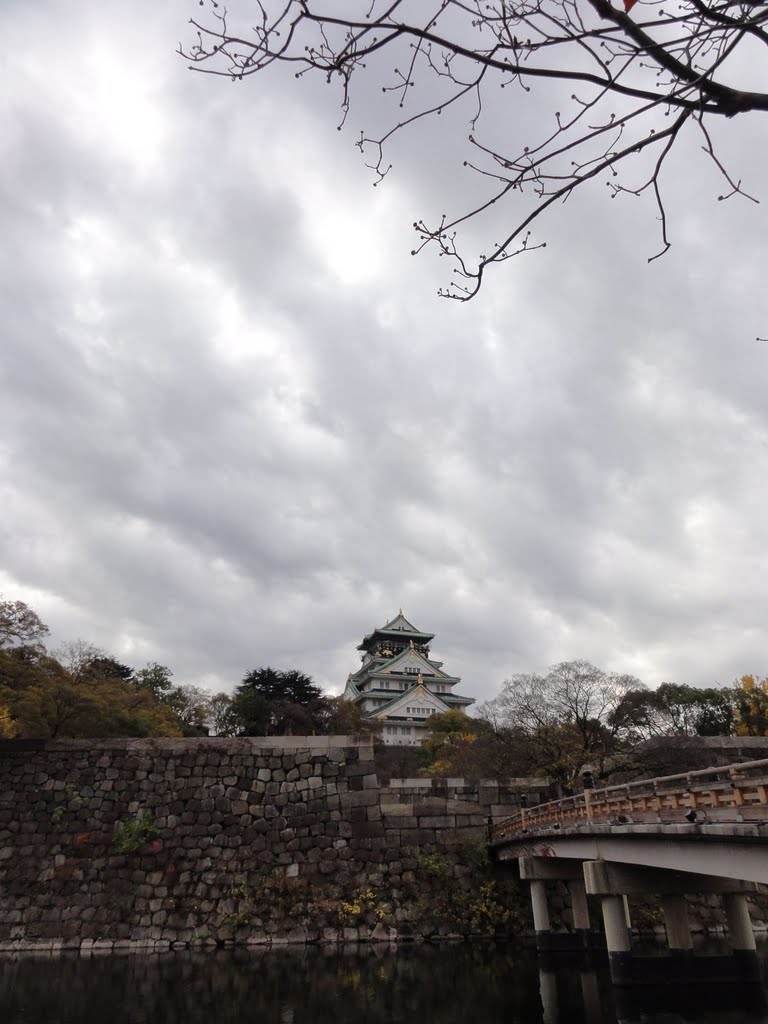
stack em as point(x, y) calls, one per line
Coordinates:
point(612, 92)
point(155, 678)
point(274, 702)
point(82, 691)
point(335, 716)
point(251, 713)
point(77, 657)
point(675, 709)
point(448, 730)
point(696, 711)
point(221, 721)
point(574, 715)
point(54, 706)
point(20, 626)
point(290, 686)
point(750, 698)
point(191, 705)
point(278, 702)
point(108, 668)
point(482, 747)
point(23, 666)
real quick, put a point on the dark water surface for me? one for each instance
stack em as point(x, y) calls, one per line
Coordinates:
point(455, 984)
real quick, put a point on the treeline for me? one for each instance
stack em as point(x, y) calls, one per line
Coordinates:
point(578, 716)
point(79, 691)
point(554, 724)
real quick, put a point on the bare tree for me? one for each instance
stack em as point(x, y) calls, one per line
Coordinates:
point(576, 714)
point(614, 90)
point(77, 656)
point(221, 720)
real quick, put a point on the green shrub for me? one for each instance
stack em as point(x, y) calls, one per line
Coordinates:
point(435, 865)
point(130, 836)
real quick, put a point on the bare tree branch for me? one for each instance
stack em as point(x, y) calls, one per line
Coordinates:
point(643, 74)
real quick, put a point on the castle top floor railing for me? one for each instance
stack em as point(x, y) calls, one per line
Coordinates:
point(734, 793)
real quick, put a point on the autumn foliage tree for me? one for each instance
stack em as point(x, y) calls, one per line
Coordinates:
point(78, 692)
point(460, 746)
point(543, 96)
point(751, 706)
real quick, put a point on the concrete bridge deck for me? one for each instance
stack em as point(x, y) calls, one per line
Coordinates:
point(697, 832)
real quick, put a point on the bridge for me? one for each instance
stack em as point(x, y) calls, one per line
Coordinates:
point(698, 832)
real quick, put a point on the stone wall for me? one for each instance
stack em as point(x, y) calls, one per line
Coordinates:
point(160, 843)
point(672, 755)
point(496, 800)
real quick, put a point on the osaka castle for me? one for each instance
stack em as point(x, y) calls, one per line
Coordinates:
point(399, 685)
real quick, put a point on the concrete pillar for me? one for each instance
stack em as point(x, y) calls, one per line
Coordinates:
point(540, 906)
point(615, 920)
point(676, 922)
point(549, 1000)
point(590, 994)
point(579, 907)
point(740, 933)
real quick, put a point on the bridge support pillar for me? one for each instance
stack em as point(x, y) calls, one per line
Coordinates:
point(540, 907)
point(538, 871)
point(676, 922)
point(611, 881)
point(615, 921)
point(740, 933)
point(549, 1001)
point(579, 908)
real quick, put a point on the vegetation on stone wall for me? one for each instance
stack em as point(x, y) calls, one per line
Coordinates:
point(132, 836)
point(443, 894)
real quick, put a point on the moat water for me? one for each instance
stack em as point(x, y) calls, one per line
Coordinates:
point(454, 984)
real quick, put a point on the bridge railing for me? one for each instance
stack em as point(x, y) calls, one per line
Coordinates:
point(734, 793)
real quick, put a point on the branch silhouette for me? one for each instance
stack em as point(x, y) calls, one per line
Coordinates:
point(642, 77)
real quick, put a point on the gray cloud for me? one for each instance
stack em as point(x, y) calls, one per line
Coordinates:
point(239, 428)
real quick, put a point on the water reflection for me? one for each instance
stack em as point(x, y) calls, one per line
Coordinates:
point(425, 984)
point(592, 1003)
point(572, 992)
point(599, 1002)
point(457, 984)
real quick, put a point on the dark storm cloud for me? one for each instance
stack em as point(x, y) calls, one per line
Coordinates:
point(239, 428)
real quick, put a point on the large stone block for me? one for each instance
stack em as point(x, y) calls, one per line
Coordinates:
point(363, 798)
point(398, 811)
point(437, 821)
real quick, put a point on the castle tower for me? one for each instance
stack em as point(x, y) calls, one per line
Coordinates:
point(399, 685)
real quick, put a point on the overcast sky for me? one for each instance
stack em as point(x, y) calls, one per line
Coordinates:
point(238, 427)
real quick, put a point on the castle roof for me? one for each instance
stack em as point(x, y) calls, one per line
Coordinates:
point(398, 627)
